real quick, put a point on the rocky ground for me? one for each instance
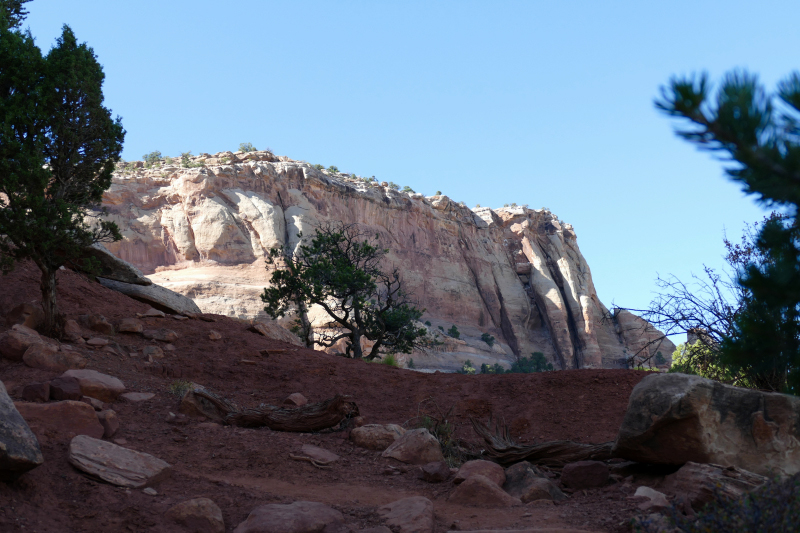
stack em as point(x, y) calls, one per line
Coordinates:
point(241, 469)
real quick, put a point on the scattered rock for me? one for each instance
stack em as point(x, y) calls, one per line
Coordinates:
point(28, 315)
point(110, 422)
point(96, 404)
point(273, 330)
point(153, 313)
point(526, 482)
point(657, 501)
point(409, 515)
point(49, 357)
point(97, 385)
point(60, 421)
point(214, 335)
point(376, 436)
point(155, 295)
point(480, 491)
point(584, 475)
point(197, 406)
point(65, 388)
point(73, 331)
point(99, 324)
point(97, 342)
point(162, 334)
point(150, 491)
point(677, 418)
point(488, 469)
point(152, 352)
point(698, 482)
point(415, 447)
point(297, 517)
point(114, 464)
point(19, 448)
point(320, 455)
point(295, 399)
point(435, 472)
point(131, 325)
point(200, 515)
point(36, 392)
point(16, 341)
point(134, 397)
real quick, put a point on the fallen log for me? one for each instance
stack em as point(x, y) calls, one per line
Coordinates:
point(307, 418)
point(501, 448)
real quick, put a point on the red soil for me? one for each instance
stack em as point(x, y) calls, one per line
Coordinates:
point(243, 468)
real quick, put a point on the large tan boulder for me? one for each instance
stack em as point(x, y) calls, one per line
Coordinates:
point(490, 470)
point(677, 418)
point(114, 464)
point(480, 491)
point(417, 447)
point(200, 515)
point(19, 448)
point(297, 517)
point(52, 358)
point(155, 295)
point(96, 384)
point(409, 515)
point(14, 342)
point(60, 421)
point(376, 436)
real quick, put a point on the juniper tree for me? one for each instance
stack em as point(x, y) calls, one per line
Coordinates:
point(58, 147)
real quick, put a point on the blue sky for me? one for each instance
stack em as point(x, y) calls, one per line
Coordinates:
point(542, 103)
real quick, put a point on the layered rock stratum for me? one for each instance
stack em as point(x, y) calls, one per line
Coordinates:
point(204, 229)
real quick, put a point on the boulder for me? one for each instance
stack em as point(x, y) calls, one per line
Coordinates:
point(29, 315)
point(273, 330)
point(60, 421)
point(73, 331)
point(376, 436)
point(480, 491)
point(656, 501)
point(435, 472)
point(157, 296)
point(200, 515)
point(135, 397)
point(416, 447)
point(152, 313)
point(699, 482)
point(130, 325)
point(114, 464)
point(96, 404)
point(49, 357)
point(19, 448)
point(297, 517)
point(677, 418)
point(584, 475)
point(97, 342)
point(99, 324)
point(97, 385)
point(409, 515)
point(490, 470)
point(114, 268)
point(110, 422)
point(36, 392)
point(197, 406)
point(295, 400)
point(65, 388)
point(320, 455)
point(152, 352)
point(161, 334)
point(524, 481)
point(16, 341)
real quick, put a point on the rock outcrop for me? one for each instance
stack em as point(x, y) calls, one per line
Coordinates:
point(516, 274)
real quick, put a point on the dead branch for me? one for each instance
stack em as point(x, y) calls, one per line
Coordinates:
point(309, 417)
point(502, 449)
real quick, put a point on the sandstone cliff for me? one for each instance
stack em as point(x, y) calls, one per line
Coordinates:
point(514, 273)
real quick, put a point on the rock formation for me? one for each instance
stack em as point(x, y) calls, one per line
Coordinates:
point(516, 274)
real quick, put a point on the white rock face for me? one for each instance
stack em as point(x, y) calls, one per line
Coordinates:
point(514, 273)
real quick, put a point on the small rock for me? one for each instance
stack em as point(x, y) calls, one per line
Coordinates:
point(415, 447)
point(490, 470)
point(131, 325)
point(214, 335)
point(297, 517)
point(480, 491)
point(73, 331)
point(162, 334)
point(97, 341)
point(180, 317)
point(65, 388)
point(526, 482)
point(116, 465)
point(321, 455)
point(152, 352)
point(169, 347)
point(99, 324)
point(584, 475)
point(409, 515)
point(197, 406)
point(36, 392)
point(657, 501)
point(60, 421)
point(48, 357)
point(361, 421)
point(153, 313)
point(435, 472)
point(28, 315)
point(121, 441)
point(150, 491)
point(110, 422)
point(376, 436)
point(19, 448)
point(97, 385)
point(134, 397)
point(96, 404)
point(200, 515)
point(295, 399)
point(179, 419)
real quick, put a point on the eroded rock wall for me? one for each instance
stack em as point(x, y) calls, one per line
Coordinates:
point(514, 273)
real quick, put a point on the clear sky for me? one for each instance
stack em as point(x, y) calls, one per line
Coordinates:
point(542, 103)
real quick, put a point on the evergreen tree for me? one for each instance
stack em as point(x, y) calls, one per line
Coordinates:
point(762, 140)
point(58, 147)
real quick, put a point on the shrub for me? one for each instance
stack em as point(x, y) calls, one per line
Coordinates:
point(390, 360)
point(168, 160)
point(441, 328)
point(428, 323)
point(505, 205)
point(179, 388)
point(466, 368)
point(410, 364)
point(492, 369)
point(453, 332)
point(225, 160)
point(408, 189)
point(318, 167)
point(527, 365)
point(247, 147)
point(152, 158)
point(394, 186)
point(488, 339)
point(438, 193)
point(333, 169)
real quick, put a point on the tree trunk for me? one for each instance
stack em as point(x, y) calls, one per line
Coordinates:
point(355, 342)
point(52, 320)
point(306, 333)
